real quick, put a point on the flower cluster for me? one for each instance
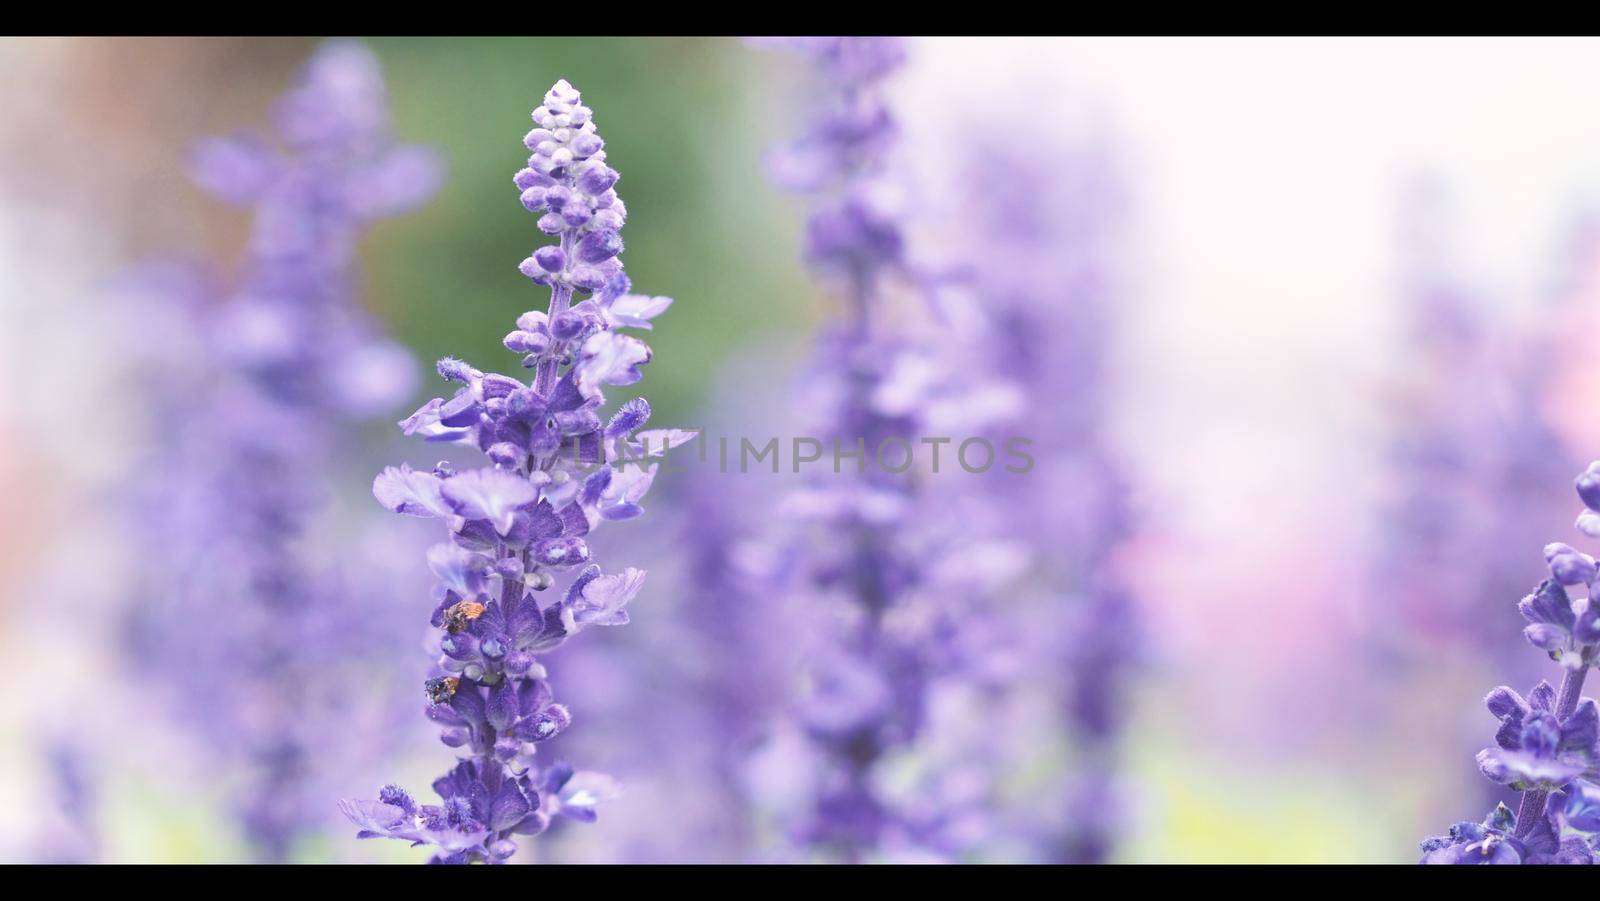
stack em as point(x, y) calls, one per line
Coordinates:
point(1548, 744)
point(251, 633)
point(517, 526)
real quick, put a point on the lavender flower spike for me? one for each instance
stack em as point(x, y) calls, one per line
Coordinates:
point(271, 372)
point(1548, 743)
point(517, 526)
point(859, 556)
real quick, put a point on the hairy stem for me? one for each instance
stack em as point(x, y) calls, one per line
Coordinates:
point(560, 298)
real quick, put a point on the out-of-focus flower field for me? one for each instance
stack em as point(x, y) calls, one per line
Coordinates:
point(1296, 335)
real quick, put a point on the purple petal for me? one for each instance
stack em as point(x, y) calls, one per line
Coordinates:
point(491, 494)
point(404, 490)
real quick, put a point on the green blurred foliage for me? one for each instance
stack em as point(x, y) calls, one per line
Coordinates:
point(681, 123)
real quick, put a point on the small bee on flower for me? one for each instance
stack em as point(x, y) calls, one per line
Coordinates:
point(457, 617)
point(441, 689)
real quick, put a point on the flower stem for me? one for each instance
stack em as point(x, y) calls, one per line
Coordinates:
point(560, 299)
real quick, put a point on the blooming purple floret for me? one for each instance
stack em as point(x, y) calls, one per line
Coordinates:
point(1548, 743)
point(556, 470)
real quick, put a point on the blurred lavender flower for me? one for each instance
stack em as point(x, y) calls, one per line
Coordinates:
point(859, 549)
point(1048, 284)
point(1461, 483)
point(75, 836)
point(557, 472)
point(1464, 480)
point(255, 635)
point(1022, 323)
point(1548, 744)
point(746, 656)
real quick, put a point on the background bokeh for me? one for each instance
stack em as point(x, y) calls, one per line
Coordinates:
point(1298, 700)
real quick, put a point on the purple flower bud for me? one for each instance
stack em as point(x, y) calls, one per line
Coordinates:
point(597, 179)
point(599, 245)
point(589, 278)
point(577, 422)
point(629, 417)
point(525, 404)
point(533, 199)
point(505, 454)
point(1492, 767)
point(1504, 701)
point(1589, 523)
point(552, 224)
point(569, 325)
point(557, 197)
point(527, 178)
point(1545, 636)
point(562, 552)
point(534, 824)
point(1586, 630)
point(526, 343)
point(1568, 565)
point(453, 370)
point(550, 258)
point(551, 722)
point(1588, 485)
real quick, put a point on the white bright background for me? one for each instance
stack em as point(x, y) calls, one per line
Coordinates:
point(1267, 175)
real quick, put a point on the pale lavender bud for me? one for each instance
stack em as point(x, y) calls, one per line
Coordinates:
point(598, 246)
point(550, 258)
point(1588, 485)
point(1568, 565)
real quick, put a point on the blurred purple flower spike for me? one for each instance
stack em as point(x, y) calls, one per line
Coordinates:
point(859, 549)
point(252, 636)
